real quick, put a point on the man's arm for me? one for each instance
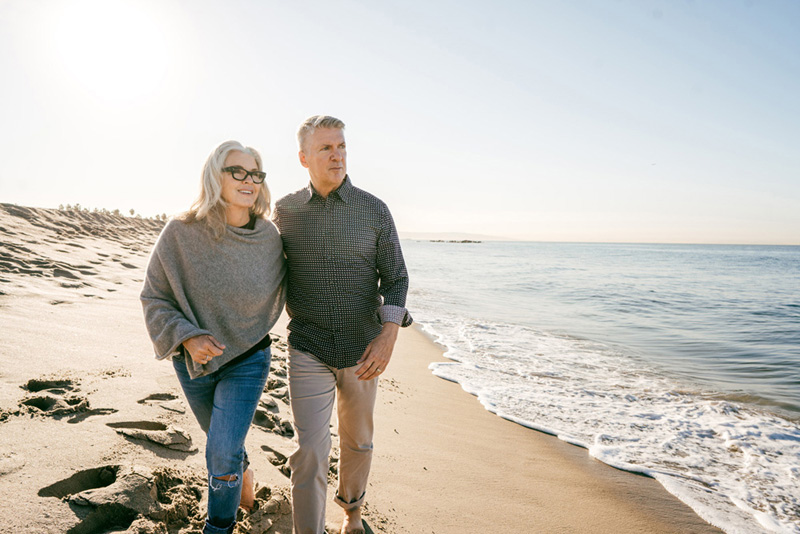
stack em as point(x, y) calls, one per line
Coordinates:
point(376, 358)
point(393, 278)
point(392, 274)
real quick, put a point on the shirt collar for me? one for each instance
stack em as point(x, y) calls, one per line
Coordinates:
point(344, 191)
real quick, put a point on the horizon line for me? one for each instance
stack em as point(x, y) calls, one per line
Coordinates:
point(451, 236)
point(500, 239)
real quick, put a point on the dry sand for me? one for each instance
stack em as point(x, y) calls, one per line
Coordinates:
point(95, 435)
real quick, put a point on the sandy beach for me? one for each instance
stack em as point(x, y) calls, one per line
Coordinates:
point(95, 435)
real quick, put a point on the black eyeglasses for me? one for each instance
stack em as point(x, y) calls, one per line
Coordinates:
point(241, 175)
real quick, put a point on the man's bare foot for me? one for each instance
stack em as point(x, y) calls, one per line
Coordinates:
point(248, 491)
point(352, 522)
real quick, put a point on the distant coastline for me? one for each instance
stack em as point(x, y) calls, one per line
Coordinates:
point(451, 236)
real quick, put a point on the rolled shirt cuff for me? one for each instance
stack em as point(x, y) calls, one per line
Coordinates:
point(394, 314)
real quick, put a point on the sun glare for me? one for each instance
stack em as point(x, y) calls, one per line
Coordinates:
point(115, 51)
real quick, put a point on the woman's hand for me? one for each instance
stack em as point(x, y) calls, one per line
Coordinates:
point(203, 348)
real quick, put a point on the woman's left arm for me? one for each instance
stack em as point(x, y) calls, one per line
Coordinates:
point(166, 323)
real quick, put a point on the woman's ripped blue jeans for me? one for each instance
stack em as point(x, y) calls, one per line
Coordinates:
point(224, 404)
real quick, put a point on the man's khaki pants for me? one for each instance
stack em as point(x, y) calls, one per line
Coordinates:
point(313, 386)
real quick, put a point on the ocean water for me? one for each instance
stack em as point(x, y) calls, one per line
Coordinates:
point(681, 362)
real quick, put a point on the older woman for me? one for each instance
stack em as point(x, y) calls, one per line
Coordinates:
point(214, 288)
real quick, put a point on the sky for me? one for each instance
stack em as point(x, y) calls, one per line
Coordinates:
point(594, 121)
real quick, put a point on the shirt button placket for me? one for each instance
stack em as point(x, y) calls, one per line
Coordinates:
point(327, 254)
point(336, 302)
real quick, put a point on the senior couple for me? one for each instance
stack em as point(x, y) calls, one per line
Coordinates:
point(217, 280)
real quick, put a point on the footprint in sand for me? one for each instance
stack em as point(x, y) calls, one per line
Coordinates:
point(55, 405)
point(269, 415)
point(171, 437)
point(167, 401)
point(89, 413)
point(98, 477)
point(266, 420)
point(56, 398)
point(280, 344)
point(120, 496)
point(278, 388)
point(138, 499)
point(333, 465)
point(277, 459)
point(52, 397)
point(272, 508)
point(59, 386)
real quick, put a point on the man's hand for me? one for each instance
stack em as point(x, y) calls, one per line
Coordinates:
point(378, 353)
point(203, 348)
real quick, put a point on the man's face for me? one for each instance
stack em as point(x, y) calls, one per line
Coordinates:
point(324, 154)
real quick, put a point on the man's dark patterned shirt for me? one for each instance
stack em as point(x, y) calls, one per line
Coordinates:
point(346, 271)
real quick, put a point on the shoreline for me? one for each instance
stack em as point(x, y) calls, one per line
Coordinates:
point(445, 464)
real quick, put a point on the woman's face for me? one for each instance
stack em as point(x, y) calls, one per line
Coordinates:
point(239, 195)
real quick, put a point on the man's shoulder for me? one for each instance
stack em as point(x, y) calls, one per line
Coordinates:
point(366, 198)
point(298, 197)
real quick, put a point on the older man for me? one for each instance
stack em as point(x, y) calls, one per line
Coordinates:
point(346, 299)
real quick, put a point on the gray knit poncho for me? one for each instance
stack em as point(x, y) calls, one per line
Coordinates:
point(232, 288)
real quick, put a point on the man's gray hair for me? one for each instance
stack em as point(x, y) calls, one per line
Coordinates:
point(311, 124)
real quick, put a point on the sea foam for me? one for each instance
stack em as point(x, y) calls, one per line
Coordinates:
point(680, 362)
point(736, 466)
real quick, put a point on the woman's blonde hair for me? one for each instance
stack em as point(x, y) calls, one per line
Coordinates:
point(210, 206)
